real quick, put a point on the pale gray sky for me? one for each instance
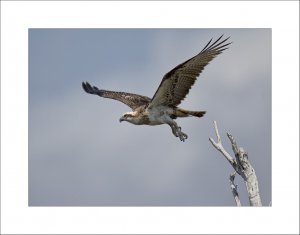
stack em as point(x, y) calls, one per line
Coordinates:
point(79, 153)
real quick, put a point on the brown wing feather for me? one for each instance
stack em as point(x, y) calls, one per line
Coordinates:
point(132, 100)
point(176, 84)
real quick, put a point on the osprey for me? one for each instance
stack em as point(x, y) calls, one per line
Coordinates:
point(175, 85)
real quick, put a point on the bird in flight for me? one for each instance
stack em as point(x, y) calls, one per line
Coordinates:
point(175, 85)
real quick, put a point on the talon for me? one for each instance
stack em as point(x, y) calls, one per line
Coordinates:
point(178, 133)
point(182, 136)
point(175, 133)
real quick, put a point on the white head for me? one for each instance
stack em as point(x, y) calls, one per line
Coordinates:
point(129, 117)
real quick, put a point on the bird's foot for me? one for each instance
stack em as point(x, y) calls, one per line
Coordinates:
point(175, 133)
point(182, 136)
point(176, 130)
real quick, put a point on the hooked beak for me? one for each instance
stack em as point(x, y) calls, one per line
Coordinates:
point(121, 119)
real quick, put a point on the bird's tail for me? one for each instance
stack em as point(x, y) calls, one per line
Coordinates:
point(186, 113)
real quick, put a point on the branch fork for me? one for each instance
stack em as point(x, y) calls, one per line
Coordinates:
point(242, 166)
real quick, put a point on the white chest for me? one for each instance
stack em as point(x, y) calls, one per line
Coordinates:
point(158, 115)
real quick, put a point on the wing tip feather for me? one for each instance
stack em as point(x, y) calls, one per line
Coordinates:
point(89, 89)
point(216, 45)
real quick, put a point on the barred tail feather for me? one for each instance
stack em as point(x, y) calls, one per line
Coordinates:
point(196, 113)
point(186, 113)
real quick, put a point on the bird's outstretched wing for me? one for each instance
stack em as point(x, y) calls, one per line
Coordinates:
point(176, 84)
point(132, 100)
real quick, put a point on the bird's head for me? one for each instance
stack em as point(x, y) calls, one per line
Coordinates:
point(129, 117)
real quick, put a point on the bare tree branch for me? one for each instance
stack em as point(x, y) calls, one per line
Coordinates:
point(242, 166)
point(220, 147)
point(234, 189)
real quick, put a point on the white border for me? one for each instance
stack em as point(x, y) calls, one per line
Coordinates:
point(17, 17)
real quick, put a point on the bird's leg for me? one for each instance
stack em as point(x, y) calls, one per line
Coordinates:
point(174, 130)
